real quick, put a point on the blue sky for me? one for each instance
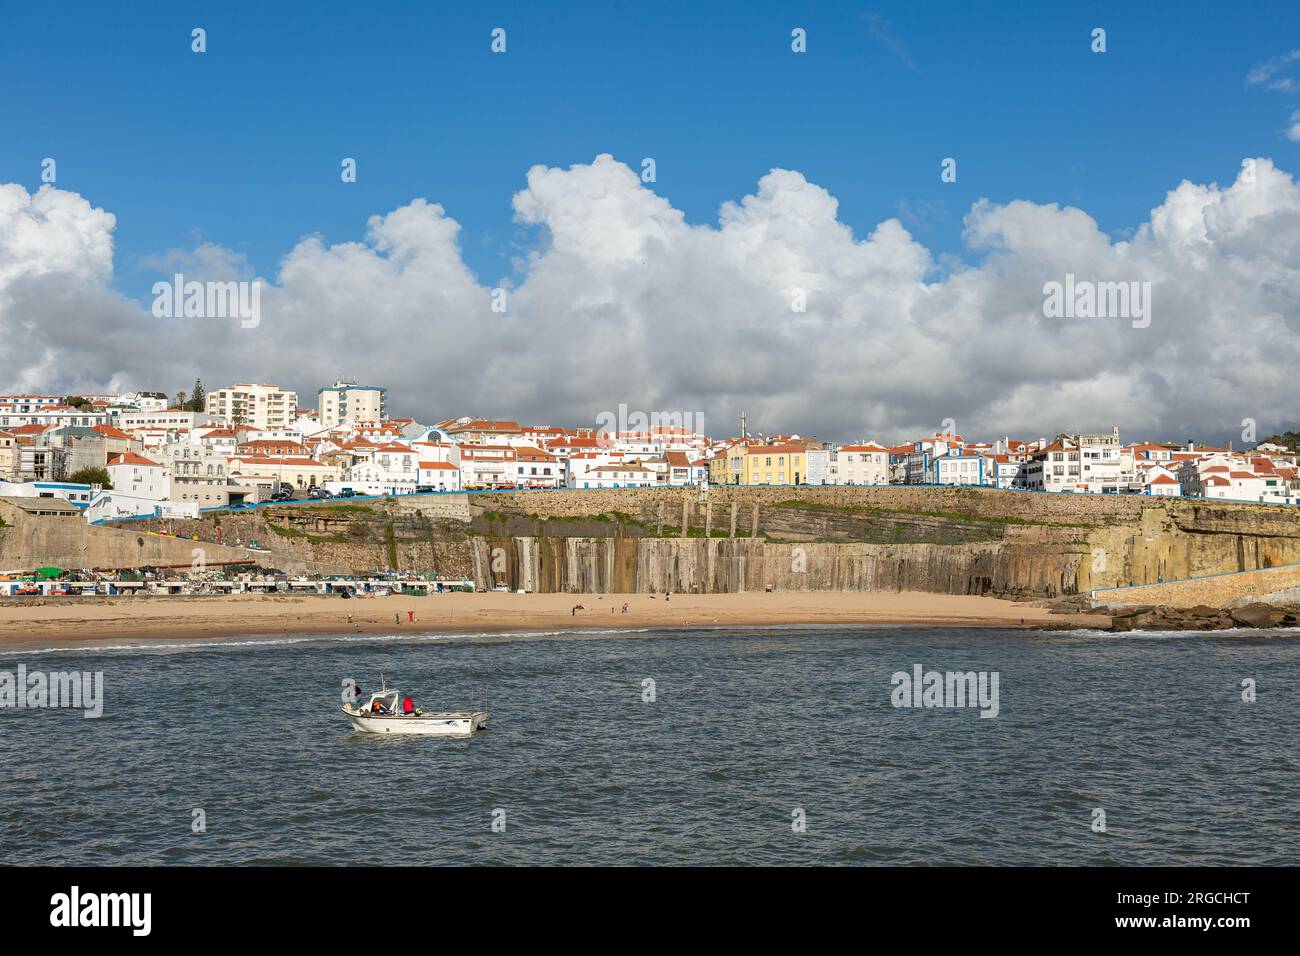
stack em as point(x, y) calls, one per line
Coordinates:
point(241, 145)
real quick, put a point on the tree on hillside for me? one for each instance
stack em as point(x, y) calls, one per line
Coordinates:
point(92, 476)
point(180, 401)
point(76, 401)
point(198, 397)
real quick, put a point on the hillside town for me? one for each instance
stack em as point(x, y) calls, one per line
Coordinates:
point(144, 454)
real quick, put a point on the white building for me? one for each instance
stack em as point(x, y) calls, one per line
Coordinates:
point(156, 437)
point(113, 504)
point(9, 456)
point(918, 462)
point(578, 465)
point(1159, 480)
point(627, 475)
point(302, 473)
point(535, 468)
point(433, 450)
point(438, 475)
point(22, 404)
point(144, 401)
point(198, 473)
point(138, 476)
point(678, 470)
point(390, 465)
point(1106, 465)
point(73, 492)
point(262, 406)
point(856, 465)
point(485, 466)
point(1233, 478)
point(349, 402)
point(224, 441)
point(1006, 471)
point(956, 468)
point(172, 420)
point(58, 416)
point(1083, 463)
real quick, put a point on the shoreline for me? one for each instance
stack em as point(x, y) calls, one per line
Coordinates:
point(86, 622)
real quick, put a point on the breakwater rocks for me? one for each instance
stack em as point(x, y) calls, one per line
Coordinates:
point(1201, 617)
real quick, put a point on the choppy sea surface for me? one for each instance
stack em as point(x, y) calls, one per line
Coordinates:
point(768, 746)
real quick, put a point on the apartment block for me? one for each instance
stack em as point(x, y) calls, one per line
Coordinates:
point(262, 406)
point(349, 402)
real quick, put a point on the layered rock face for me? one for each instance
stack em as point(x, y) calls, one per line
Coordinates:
point(948, 540)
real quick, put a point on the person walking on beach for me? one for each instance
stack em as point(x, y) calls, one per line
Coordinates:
point(397, 619)
point(411, 616)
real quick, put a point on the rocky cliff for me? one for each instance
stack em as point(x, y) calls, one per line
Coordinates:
point(951, 540)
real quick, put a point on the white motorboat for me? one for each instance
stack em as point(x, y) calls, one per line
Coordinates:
point(383, 713)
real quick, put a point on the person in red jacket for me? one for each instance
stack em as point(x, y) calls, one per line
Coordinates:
point(408, 706)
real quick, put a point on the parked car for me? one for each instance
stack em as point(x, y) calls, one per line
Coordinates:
point(345, 493)
point(423, 489)
point(316, 492)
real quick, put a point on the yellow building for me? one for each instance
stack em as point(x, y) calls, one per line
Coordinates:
point(718, 474)
point(762, 465)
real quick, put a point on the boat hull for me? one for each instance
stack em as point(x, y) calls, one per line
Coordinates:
point(460, 724)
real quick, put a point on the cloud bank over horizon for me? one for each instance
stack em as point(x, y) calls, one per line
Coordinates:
point(624, 301)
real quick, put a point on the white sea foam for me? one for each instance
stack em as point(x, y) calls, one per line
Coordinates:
point(154, 647)
point(1159, 634)
point(255, 641)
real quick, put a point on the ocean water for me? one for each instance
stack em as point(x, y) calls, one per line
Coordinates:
point(750, 733)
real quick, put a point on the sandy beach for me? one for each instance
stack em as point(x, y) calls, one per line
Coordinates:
point(147, 619)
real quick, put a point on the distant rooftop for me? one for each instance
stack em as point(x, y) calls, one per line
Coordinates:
point(42, 506)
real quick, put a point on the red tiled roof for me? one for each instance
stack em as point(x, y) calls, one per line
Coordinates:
point(528, 453)
point(480, 425)
point(259, 460)
point(131, 458)
point(108, 431)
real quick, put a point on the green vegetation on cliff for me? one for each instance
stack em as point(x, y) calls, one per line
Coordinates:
point(390, 545)
point(285, 532)
point(876, 511)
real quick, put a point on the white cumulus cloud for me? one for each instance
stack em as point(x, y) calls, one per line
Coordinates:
point(622, 300)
